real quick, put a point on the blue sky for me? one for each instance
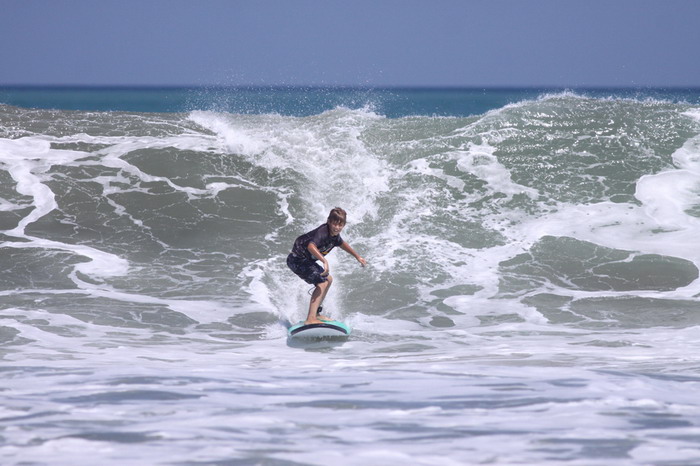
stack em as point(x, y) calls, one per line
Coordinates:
point(479, 43)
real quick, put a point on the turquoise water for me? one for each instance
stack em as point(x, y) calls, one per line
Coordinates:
point(390, 102)
point(532, 294)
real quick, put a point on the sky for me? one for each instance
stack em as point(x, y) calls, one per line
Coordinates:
point(374, 43)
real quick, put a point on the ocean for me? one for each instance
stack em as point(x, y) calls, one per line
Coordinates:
point(531, 294)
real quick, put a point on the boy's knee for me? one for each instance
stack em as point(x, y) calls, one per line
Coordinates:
point(326, 283)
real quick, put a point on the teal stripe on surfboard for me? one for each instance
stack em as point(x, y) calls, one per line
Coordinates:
point(331, 328)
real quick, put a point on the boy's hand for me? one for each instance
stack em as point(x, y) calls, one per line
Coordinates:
point(326, 269)
point(362, 261)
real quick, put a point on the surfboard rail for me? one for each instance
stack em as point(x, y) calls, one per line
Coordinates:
point(329, 329)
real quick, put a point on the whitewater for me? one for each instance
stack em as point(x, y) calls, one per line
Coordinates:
point(531, 294)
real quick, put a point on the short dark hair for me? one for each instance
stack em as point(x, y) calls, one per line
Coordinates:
point(337, 215)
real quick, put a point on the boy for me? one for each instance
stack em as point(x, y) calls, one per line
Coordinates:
point(313, 246)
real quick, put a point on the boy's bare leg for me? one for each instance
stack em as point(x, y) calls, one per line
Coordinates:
point(317, 298)
point(329, 282)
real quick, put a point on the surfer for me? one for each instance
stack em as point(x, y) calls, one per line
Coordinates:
point(314, 246)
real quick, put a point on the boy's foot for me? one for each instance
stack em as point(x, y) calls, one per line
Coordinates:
point(313, 321)
point(321, 317)
point(318, 320)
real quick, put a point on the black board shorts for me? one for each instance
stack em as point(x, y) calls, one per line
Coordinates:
point(307, 270)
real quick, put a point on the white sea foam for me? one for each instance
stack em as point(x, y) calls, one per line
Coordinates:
point(480, 161)
point(25, 160)
point(325, 150)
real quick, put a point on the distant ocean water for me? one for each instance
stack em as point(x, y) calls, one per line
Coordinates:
point(301, 101)
point(532, 295)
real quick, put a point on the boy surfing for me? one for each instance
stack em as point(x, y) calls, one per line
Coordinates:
point(314, 246)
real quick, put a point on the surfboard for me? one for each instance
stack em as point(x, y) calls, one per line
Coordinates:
point(330, 329)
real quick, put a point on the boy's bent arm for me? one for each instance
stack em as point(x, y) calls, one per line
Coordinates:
point(317, 254)
point(347, 248)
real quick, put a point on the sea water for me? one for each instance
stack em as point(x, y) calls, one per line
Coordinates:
point(531, 294)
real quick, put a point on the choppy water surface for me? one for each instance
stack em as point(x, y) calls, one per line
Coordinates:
point(532, 295)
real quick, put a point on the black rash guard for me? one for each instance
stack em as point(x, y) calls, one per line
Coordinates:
point(321, 237)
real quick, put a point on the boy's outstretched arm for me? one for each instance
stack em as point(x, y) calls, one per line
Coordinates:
point(347, 248)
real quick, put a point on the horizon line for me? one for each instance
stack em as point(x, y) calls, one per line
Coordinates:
point(341, 87)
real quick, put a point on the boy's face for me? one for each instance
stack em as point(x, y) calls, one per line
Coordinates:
point(335, 228)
